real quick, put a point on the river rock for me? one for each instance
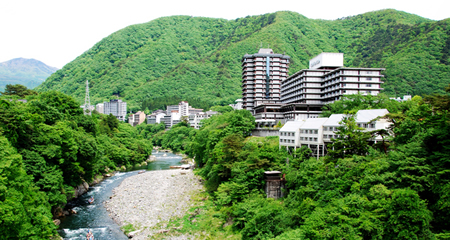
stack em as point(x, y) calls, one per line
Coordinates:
point(57, 222)
point(152, 197)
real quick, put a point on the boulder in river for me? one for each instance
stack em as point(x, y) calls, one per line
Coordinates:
point(57, 222)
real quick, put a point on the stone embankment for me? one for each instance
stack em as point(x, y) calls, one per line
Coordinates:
point(152, 198)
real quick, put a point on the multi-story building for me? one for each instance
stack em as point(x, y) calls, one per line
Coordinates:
point(326, 81)
point(136, 118)
point(117, 108)
point(195, 119)
point(171, 108)
point(316, 133)
point(262, 74)
point(183, 108)
point(194, 110)
point(155, 117)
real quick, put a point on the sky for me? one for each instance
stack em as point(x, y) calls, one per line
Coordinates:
point(57, 31)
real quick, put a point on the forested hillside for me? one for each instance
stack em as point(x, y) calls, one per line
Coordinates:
point(398, 188)
point(47, 148)
point(198, 59)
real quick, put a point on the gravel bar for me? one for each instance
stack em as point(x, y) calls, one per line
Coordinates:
point(146, 199)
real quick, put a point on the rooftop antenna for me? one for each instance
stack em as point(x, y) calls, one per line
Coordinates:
point(87, 101)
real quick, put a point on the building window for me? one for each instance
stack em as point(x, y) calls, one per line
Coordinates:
point(368, 85)
point(372, 125)
point(310, 139)
point(301, 138)
point(369, 79)
point(315, 131)
point(315, 139)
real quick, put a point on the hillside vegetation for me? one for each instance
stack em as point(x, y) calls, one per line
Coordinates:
point(398, 188)
point(198, 59)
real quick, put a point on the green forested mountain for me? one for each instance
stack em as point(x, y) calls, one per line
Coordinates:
point(27, 72)
point(198, 59)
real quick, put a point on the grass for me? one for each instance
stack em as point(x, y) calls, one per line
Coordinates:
point(128, 228)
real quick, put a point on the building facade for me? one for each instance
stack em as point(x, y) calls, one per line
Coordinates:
point(316, 133)
point(262, 75)
point(327, 80)
point(99, 108)
point(136, 118)
point(117, 108)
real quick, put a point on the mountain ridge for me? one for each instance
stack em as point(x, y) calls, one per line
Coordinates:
point(198, 59)
point(27, 72)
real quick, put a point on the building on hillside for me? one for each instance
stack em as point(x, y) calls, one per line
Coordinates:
point(155, 117)
point(183, 108)
point(117, 108)
point(173, 118)
point(195, 119)
point(171, 108)
point(405, 98)
point(262, 75)
point(194, 110)
point(99, 108)
point(268, 114)
point(316, 133)
point(305, 92)
point(136, 118)
point(237, 105)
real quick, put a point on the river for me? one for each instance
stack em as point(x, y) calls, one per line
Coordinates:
point(94, 216)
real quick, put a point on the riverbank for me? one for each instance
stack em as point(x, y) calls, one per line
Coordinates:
point(142, 202)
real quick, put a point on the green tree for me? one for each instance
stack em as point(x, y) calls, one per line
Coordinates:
point(24, 210)
point(350, 140)
point(18, 90)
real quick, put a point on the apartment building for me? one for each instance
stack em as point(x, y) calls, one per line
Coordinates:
point(117, 108)
point(262, 74)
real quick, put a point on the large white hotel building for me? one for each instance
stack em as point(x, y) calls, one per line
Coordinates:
point(303, 94)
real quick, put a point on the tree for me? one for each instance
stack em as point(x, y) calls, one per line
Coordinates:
point(350, 140)
point(24, 210)
point(18, 90)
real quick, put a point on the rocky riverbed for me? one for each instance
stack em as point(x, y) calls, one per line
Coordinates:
point(154, 197)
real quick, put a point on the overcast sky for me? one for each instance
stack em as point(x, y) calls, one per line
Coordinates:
point(57, 31)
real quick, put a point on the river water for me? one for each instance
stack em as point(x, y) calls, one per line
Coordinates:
point(94, 216)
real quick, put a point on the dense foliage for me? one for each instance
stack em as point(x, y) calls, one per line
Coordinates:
point(48, 147)
point(357, 192)
point(198, 59)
